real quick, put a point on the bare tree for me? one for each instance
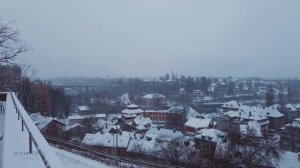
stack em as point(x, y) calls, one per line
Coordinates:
point(269, 96)
point(177, 152)
point(10, 44)
point(250, 151)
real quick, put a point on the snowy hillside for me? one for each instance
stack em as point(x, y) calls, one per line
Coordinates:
point(71, 160)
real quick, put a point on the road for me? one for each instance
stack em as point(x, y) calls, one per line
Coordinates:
point(1, 131)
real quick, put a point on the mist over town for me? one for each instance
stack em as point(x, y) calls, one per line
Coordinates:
point(212, 84)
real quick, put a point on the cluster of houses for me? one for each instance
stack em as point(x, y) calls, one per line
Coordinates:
point(142, 131)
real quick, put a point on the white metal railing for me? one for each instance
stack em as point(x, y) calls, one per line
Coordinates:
point(45, 151)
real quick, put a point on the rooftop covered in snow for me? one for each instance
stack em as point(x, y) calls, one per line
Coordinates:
point(198, 123)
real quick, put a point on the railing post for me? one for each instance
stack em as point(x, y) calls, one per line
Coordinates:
point(18, 115)
point(30, 143)
point(22, 125)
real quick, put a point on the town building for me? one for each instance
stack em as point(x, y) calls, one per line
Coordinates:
point(193, 125)
point(47, 125)
point(83, 110)
point(207, 139)
point(230, 106)
point(290, 136)
point(290, 111)
point(232, 120)
point(162, 134)
point(82, 119)
point(130, 113)
point(114, 143)
point(139, 125)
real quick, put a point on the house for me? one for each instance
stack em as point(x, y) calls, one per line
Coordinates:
point(83, 118)
point(75, 130)
point(155, 100)
point(290, 136)
point(157, 116)
point(207, 139)
point(161, 117)
point(47, 125)
point(193, 125)
point(230, 106)
point(198, 93)
point(290, 111)
point(108, 142)
point(141, 124)
point(231, 120)
point(82, 110)
point(276, 118)
point(131, 112)
point(162, 134)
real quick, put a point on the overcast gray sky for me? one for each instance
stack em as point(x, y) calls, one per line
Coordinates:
point(151, 37)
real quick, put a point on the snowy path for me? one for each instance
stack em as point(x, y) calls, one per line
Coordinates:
point(71, 160)
point(16, 143)
point(1, 131)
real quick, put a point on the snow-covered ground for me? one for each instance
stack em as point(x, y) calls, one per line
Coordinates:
point(1, 132)
point(71, 160)
point(289, 160)
point(16, 143)
point(15, 152)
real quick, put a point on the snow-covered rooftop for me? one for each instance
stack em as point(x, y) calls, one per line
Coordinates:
point(251, 126)
point(132, 106)
point(42, 121)
point(155, 133)
point(198, 123)
point(231, 104)
point(67, 128)
point(83, 108)
point(247, 114)
point(79, 117)
point(155, 111)
point(215, 135)
point(152, 96)
point(291, 107)
point(142, 122)
point(192, 113)
point(106, 139)
point(132, 109)
point(271, 112)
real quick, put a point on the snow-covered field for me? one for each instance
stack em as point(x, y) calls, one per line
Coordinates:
point(71, 160)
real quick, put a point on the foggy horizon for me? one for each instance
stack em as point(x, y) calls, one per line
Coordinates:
point(151, 38)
